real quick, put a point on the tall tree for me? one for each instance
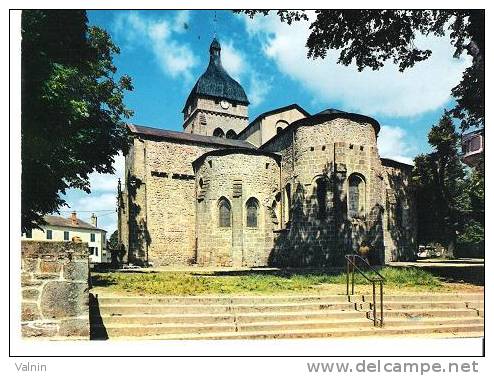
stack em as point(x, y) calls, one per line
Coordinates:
point(72, 108)
point(444, 207)
point(371, 37)
point(113, 241)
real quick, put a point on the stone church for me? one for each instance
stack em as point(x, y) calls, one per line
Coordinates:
point(288, 188)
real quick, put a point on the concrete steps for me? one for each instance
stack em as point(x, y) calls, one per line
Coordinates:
point(252, 317)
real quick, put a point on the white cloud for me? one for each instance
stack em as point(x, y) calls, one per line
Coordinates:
point(394, 143)
point(103, 197)
point(175, 59)
point(258, 89)
point(422, 88)
point(108, 182)
point(236, 64)
point(233, 60)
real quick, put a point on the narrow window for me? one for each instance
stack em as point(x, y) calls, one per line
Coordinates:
point(224, 213)
point(252, 209)
point(49, 234)
point(29, 234)
point(321, 192)
point(93, 237)
point(96, 251)
point(356, 196)
point(218, 132)
point(65, 235)
point(288, 204)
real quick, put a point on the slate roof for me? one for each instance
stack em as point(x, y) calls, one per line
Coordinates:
point(394, 163)
point(190, 137)
point(215, 82)
point(55, 220)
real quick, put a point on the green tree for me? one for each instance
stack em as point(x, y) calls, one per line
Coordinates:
point(72, 108)
point(113, 241)
point(449, 198)
point(371, 37)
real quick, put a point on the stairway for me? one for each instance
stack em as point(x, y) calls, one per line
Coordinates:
point(269, 317)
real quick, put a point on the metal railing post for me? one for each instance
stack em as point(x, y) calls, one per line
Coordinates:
point(347, 276)
point(351, 263)
point(353, 276)
point(382, 309)
point(374, 301)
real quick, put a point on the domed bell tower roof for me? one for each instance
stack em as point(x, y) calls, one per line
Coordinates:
point(215, 82)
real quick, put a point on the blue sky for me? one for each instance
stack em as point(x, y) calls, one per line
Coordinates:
point(166, 51)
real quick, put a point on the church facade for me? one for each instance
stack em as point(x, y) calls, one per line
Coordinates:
point(287, 189)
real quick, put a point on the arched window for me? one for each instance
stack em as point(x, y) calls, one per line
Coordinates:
point(280, 125)
point(321, 193)
point(356, 196)
point(231, 134)
point(218, 132)
point(252, 208)
point(224, 213)
point(288, 204)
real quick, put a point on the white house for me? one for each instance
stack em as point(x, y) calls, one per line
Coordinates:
point(72, 229)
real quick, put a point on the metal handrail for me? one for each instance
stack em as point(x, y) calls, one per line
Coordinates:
point(379, 279)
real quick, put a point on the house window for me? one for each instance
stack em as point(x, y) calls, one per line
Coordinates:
point(231, 134)
point(356, 196)
point(252, 207)
point(49, 234)
point(224, 212)
point(96, 251)
point(321, 193)
point(29, 234)
point(65, 235)
point(218, 132)
point(93, 237)
point(91, 250)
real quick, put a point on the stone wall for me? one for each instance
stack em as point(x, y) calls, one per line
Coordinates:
point(329, 152)
point(207, 115)
point(162, 202)
point(400, 220)
point(55, 290)
point(237, 177)
point(172, 208)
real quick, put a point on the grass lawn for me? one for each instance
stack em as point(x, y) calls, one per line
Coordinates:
point(199, 282)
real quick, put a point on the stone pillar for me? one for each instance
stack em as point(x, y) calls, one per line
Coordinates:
point(237, 224)
point(55, 289)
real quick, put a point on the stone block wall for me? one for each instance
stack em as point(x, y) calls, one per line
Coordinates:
point(236, 177)
point(400, 219)
point(207, 115)
point(162, 213)
point(330, 151)
point(55, 289)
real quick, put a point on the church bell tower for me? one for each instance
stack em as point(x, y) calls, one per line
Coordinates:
point(217, 105)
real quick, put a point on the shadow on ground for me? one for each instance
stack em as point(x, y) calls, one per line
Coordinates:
point(97, 330)
point(289, 272)
point(473, 274)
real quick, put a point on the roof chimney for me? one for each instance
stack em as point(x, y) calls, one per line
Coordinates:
point(73, 218)
point(94, 220)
